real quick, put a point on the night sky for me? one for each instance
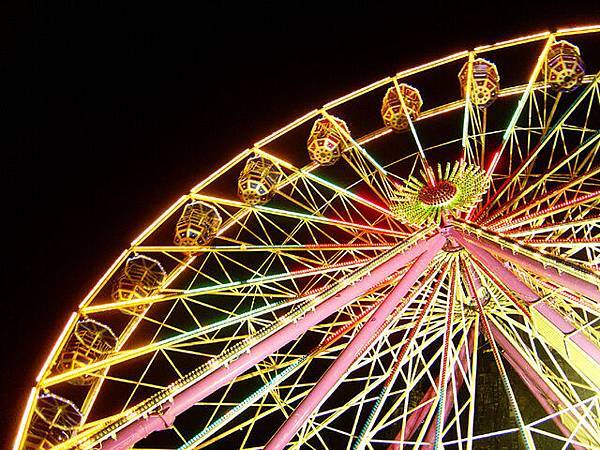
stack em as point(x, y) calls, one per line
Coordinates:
point(111, 114)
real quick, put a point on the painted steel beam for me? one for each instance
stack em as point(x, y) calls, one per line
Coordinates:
point(418, 415)
point(450, 387)
point(359, 344)
point(569, 275)
point(565, 338)
point(132, 433)
point(543, 392)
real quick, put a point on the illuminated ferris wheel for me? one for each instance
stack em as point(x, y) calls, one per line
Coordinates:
point(413, 265)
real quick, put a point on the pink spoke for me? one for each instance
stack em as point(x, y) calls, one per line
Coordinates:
point(530, 297)
point(569, 281)
point(359, 344)
point(534, 382)
point(139, 429)
point(408, 339)
point(450, 387)
point(437, 431)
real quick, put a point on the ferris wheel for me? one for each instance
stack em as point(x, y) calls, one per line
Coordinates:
point(413, 265)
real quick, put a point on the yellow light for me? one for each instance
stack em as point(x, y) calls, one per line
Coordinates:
point(429, 65)
point(57, 344)
point(157, 222)
point(287, 128)
point(106, 275)
point(217, 173)
point(24, 419)
point(356, 93)
point(521, 40)
point(578, 30)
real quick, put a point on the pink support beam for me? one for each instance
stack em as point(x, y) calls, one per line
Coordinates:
point(143, 427)
point(421, 411)
point(416, 418)
point(359, 344)
point(473, 282)
point(450, 387)
point(529, 296)
point(418, 415)
point(586, 288)
point(534, 382)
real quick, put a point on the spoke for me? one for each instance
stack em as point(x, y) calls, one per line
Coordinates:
point(585, 147)
point(523, 100)
point(575, 277)
point(548, 321)
point(524, 431)
point(529, 218)
point(303, 217)
point(442, 407)
point(426, 167)
point(197, 384)
point(359, 344)
point(221, 287)
point(537, 149)
point(305, 310)
point(267, 387)
point(363, 436)
point(543, 390)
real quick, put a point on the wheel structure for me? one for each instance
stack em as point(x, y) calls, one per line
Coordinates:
point(413, 265)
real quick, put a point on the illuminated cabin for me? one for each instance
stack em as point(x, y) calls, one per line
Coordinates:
point(565, 66)
point(91, 341)
point(198, 224)
point(327, 141)
point(141, 277)
point(486, 82)
point(256, 184)
point(393, 113)
point(53, 422)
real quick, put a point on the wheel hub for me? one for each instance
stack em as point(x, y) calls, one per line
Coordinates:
point(457, 189)
point(439, 195)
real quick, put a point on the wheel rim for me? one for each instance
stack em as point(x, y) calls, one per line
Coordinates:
point(500, 291)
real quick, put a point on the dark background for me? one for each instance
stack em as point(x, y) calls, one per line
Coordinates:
point(110, 113)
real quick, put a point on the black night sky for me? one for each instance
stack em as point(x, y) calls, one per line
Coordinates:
point(111, 113)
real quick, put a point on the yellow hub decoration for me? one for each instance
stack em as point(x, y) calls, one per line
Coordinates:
point(458, 188)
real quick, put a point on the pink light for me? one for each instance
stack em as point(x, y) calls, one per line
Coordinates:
point(494, 162)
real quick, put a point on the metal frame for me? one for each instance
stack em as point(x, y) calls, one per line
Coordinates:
point(318, 293)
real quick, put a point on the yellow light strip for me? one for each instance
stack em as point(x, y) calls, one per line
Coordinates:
point(373, 136)
point(106, 276)
point(578, 30)
point(357, 93)
point(25, 418)
point(224, 168)
point(511, 42)
point(438, 62)
point(275, 159)
point(148, 230)
point(288, 127)
point(57, 344)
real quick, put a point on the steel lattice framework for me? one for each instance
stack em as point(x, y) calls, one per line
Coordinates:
point(429, 283)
